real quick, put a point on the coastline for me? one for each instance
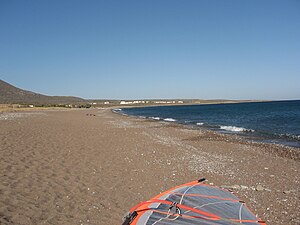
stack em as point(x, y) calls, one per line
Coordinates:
point(231, 122)
point(6, 107)
point(278, 149)
point(67, 167)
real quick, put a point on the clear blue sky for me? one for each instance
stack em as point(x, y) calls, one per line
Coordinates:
point(152, 49)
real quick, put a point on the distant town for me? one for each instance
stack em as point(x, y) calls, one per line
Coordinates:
point(133, 102)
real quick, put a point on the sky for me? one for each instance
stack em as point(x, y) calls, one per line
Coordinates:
point(162, 49)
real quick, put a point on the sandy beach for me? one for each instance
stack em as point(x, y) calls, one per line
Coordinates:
point(91, 166)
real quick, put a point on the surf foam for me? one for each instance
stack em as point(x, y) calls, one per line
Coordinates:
point(236, 129)
point(290, 136)
point(154, 118)
point(170, 120)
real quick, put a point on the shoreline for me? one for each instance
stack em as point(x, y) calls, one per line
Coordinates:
point(287, 144)
point(281, 150)
point(12, 107)
point(71, 167)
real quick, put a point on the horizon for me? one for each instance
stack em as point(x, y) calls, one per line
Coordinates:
point(118, 50)
point(166, 99)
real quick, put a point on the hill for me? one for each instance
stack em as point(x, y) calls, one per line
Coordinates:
point(10, 94)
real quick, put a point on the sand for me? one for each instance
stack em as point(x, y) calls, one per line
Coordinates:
point(67, 167)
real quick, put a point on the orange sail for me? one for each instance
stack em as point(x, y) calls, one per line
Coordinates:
point(192, 203)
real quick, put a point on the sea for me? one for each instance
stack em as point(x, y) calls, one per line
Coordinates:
point(272, 122)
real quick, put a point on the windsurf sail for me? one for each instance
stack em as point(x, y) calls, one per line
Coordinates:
point(192, 203)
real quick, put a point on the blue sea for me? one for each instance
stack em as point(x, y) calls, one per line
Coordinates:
point(273, 122)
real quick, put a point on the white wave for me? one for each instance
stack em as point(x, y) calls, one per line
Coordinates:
point(170, 120)
point(115, 110)
point(154, 118)
point(297, 137)
point(291, 136)
point(200, 124)
point(236, 129)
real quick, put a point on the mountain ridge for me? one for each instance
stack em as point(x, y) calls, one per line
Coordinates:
point(10, 94)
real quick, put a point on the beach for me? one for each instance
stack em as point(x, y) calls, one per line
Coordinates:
point(91, 166)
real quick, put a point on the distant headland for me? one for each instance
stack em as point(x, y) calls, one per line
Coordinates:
point(14, 97)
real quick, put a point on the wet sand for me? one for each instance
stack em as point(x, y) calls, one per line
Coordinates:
point(67, 167)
